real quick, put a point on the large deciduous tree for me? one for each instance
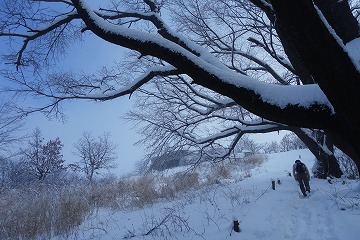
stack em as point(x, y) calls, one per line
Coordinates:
point(174, 112)
point(312, 38)
point(43, 159)
point(95, 154)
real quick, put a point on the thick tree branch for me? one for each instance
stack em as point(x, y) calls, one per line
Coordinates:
point(208, 76)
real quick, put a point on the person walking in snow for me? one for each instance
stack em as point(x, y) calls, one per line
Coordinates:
point(302, 176)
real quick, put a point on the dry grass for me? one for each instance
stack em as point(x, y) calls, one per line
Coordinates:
point(143, 191)
point(254, 161)
point(240, 167)
point(186, 181)
point(172, 186)
point(42, 211)
point(105, 193)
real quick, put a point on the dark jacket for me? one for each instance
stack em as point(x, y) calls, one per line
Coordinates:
point(305, 174)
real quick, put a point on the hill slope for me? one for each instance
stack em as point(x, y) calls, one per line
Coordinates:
point(330, 213)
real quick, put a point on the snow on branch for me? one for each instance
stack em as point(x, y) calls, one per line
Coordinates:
point(174, 54)
point(29, 34)
point(182, 57)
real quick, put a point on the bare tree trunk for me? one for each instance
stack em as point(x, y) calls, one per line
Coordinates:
point(340, 18)
point(315, 50)
point(327, 164)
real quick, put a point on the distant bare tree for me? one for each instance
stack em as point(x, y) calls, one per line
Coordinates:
point(291, 142)
point(272, 147)
point(10, 126)
point(247, 144)
point(286, 143)
point(42, 159)
point(5, 169)
point(95, 154)
point(298, 143)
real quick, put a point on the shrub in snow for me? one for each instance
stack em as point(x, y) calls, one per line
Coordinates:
point(143, 191)
point(41, 211)
point(186, 181)
point(105, 193)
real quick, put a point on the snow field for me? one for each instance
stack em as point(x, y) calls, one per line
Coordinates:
point(330, 213)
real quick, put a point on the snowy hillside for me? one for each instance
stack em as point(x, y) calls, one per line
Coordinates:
point(331, 212)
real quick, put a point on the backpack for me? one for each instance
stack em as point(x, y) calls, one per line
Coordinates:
point(300, 167)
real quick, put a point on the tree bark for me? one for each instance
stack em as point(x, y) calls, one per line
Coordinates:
point(329, 65)
point(340, 18)
point(327, 164)
point(315, 46)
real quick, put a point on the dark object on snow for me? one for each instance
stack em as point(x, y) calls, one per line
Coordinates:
point(300, 167)
point(273, 184)
point(302, 176)
point(329, 179)
point(278, 181)
point(236, 226)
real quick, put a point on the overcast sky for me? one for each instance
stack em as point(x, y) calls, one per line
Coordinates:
point(89, 116)
point(98, 118)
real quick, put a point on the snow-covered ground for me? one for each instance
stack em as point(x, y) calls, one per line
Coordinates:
point(332, 211)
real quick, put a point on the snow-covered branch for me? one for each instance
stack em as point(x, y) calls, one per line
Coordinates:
point(319, 81)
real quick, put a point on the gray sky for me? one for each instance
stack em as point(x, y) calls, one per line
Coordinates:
point(97, 118)
point(94, 118)
point(88, 116)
